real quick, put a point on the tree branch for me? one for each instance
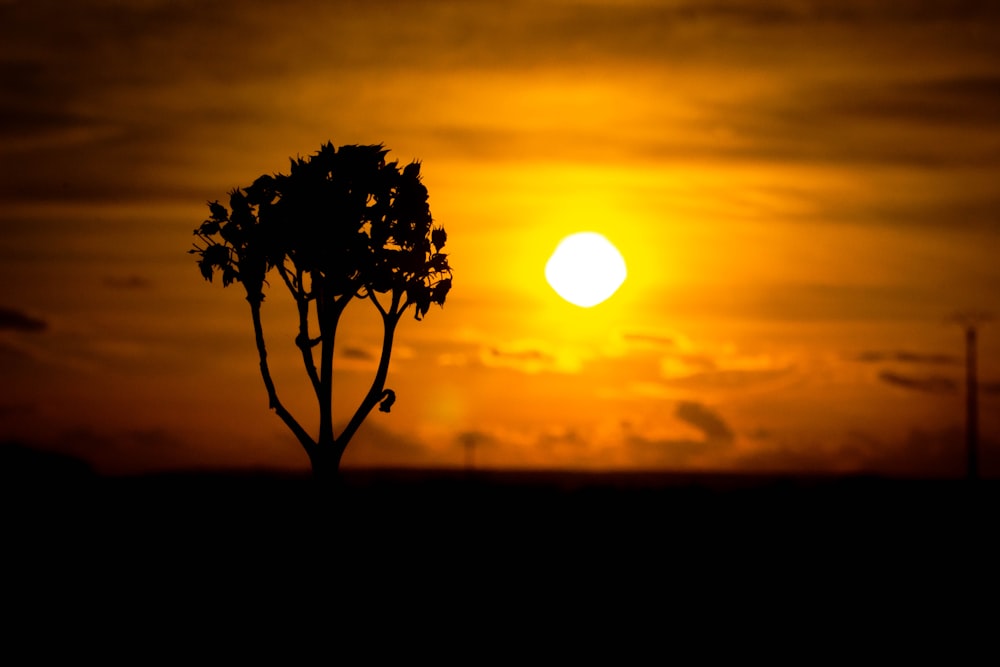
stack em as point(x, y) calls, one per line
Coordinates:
point(377, 392)
point(374, 299)
point(302, 340)
point(272, 394)
point(283, 272)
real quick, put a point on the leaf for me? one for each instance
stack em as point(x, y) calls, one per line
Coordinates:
point(208, 228)
point(440, 291)
point(215, 256)
point(206, 268)
point(439, 237)
point(412, 170)
point(439, 263)
point(218, 211)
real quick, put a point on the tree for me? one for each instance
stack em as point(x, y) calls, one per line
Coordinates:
point(342, 225)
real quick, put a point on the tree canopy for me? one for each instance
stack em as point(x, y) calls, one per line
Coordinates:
point(346, 219)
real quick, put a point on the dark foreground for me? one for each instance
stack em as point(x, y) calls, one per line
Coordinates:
point(513, 511)
point(471, 540)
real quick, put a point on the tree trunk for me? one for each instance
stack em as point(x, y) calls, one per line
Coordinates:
point(327, 495)
point(325, 460)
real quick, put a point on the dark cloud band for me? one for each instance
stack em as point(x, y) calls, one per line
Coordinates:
point(17, 320)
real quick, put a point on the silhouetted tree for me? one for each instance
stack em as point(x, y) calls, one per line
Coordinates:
point(344, 224)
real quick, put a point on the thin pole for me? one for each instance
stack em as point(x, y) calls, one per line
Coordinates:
point(971, 404)
point(470, 455)
point(970, 320)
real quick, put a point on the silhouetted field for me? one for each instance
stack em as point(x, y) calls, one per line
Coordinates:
point(442, 529)
point(454, 505)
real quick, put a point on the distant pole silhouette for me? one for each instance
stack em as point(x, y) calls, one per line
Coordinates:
point(469, 444)
point(969, 323)
point(971, 404)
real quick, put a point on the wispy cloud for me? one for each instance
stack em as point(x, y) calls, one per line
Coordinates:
point(705, 420)
point(356, 355)
point(908, 357)
point(18, 320)
point(84, 82)
point(708, 367)
point(717, 437)
point(130, 282)
point(532, 357)
point(934, 384)
point(650, 340)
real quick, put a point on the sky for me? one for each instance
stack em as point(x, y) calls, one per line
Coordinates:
point(804, 192)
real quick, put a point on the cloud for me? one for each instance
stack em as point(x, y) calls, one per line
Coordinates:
point(357, 353)
point(932, 385)
point(704, 372)
point(717, 436)
point(687, 365)
point(100, 87)
point(519, 356)
point(904, 356)
point(728, 379)
point(862, 122)
point(364, 357)
point(531, 357)
point(541, 445)
point(132, 282)
point(650, 340)
point(943, 101)
point(705, 420)
point(18, 320)
point(721, 367)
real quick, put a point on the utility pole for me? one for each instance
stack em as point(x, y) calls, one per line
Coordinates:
point(970, 321)
point(468, 441)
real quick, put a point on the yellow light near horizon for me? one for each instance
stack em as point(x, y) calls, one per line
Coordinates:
point(585, 269)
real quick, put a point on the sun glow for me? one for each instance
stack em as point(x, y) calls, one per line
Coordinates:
point(585, 269)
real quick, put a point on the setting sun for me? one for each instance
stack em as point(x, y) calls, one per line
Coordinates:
point(585, 269)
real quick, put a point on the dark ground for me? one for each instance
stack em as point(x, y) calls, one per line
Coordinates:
point(471, 541)
point(52, 497)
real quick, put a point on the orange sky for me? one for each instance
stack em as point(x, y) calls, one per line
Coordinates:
point(802, 191)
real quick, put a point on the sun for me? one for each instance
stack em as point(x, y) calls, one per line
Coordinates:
point(585, 269)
